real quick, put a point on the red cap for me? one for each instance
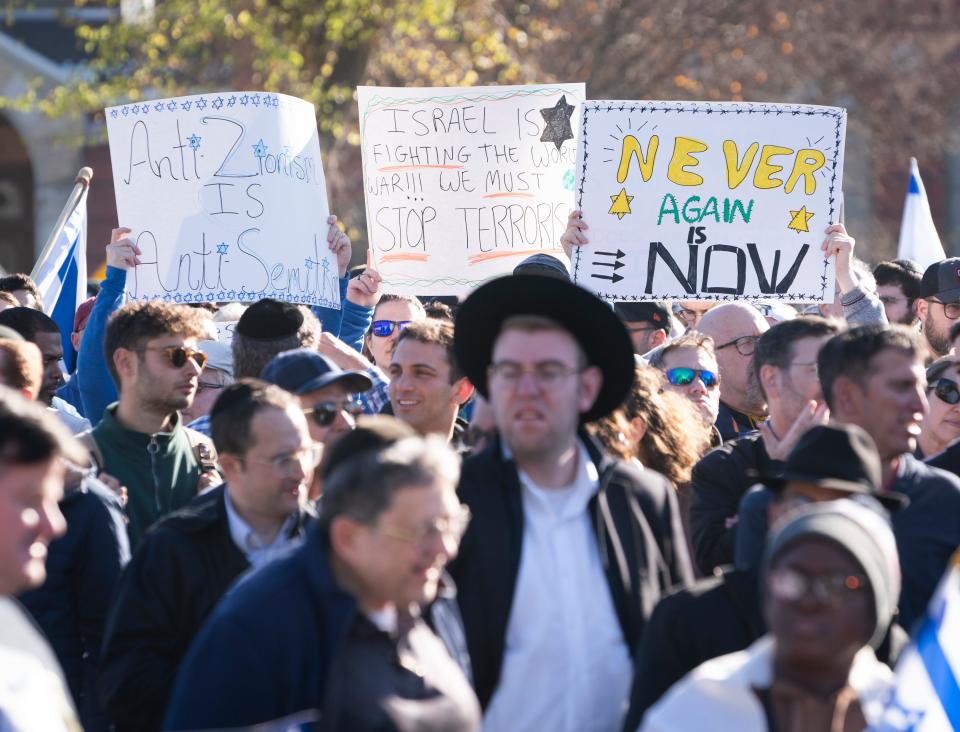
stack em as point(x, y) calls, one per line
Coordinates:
point(83, 314)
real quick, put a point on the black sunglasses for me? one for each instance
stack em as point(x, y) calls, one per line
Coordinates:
point(178, 355)
point(946, 390)
point(325, 413)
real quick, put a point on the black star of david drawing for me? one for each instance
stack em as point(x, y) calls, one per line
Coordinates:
point(558, 122)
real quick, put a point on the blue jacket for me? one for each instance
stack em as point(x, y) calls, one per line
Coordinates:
point(267, 650)
point(83, 567)
point(97, 389)
point(350, 324)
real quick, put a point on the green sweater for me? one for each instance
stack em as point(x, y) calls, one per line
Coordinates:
point(160, 471)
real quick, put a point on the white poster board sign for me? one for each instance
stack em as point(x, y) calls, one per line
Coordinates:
point(463, 184)
point(708, 201)
point(226, 198)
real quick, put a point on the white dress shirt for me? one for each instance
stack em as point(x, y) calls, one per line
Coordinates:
point(253, 547)
point(566, 667)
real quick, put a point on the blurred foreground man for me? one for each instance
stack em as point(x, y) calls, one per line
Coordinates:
point(33, 693)
point(333, 631)
point(568, 550)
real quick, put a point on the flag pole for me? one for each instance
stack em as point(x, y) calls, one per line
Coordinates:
point(81, 183)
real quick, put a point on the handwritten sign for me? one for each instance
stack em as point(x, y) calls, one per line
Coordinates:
point(463, 184)
point(226, 198)
point(705, 201)
point(225, 330)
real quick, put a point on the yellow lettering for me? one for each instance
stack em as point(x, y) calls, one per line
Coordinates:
point(763, 178)
point(807, 163)
point(631, 149)
point(683, 151)
point(737, 171)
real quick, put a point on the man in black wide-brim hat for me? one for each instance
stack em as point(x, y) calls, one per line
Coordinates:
point(568, 550)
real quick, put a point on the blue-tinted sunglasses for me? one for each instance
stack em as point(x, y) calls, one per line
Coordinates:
point(684, 377)
point(384, 328)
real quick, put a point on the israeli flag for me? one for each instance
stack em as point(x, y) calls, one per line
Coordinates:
point(62, 277)
point(919, 240)
point(927, 693)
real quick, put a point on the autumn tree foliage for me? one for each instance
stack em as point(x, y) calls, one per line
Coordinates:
point(895, 64)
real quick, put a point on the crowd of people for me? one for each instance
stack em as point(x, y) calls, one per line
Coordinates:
point(525, 511)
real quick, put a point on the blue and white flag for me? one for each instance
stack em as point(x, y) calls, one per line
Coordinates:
point(919, 240)
point(927, 693)
point(62, 277)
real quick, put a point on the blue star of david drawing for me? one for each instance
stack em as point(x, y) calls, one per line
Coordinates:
point(125, 111)
point(232, 295)
point(186, 105)
point(218, 102)
point(177, 297)
point(113, 113)
point(171, 105)
point(166, 298)
point(308, 263)
point(325, 264)
point(220, 296)
point(276, 102)
point(244, 100)
point(145, 109)
point(259, 150)
point(222, 248)
point(256, 100)
point(135, 109)
point(209, 297)
point(194, 141)
point(158, 106)
point(232, 100)
point(201, 103)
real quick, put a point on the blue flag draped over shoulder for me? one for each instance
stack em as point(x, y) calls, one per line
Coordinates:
point(62, 279)
point(927, 693)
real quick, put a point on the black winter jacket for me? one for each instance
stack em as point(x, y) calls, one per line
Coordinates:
point(181, 569)
point(634, 514)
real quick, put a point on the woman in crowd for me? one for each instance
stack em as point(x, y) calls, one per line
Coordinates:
point(941, 425)
point(656, 428)
point(831, 577)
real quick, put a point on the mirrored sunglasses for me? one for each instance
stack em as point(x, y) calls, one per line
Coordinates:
point(384, 328)
point(684, 377)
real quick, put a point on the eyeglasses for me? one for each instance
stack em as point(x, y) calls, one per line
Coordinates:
point(689, 316)
point(384, 328)
point(177, 355)
point(745, 345)
point(547, 374)
point(448, 528)
point(830, 589)
point(325, 413)
point(946, 390)
point(950, 309)
point(684, 377)
point(306, 458)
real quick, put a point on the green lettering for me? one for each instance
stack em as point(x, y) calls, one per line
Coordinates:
point(710, 209)
point(672, 209)
point(744, 214)
point(696, 211)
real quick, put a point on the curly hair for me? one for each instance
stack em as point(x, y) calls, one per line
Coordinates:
point(676, 435)
point(132, 325)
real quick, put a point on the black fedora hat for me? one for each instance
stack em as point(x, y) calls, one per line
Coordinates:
point(841, 457)
point(591, 322)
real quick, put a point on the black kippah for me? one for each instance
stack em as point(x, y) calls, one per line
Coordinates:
point(270, 320)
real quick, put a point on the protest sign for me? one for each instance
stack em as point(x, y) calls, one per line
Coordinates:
point(225, 330)
point(463, 184)
point(708, 201)
point(226, 198)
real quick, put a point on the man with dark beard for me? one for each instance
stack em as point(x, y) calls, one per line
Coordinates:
point(938, 304)
point(152, 354)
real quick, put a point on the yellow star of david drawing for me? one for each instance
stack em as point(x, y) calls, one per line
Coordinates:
point(621, 204)
point(799, 221)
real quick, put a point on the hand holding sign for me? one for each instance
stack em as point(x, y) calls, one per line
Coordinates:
point(707, 201)
point(122, 252)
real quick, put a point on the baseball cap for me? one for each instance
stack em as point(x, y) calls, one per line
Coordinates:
point(301, 371)
point(643, 312)
point(941, 281)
